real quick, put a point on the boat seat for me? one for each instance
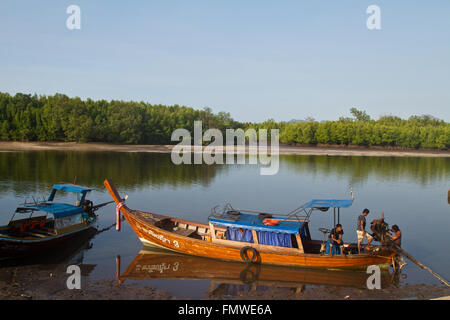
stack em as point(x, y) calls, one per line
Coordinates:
point(184, 232)
point(151, 218)
point(36, 234)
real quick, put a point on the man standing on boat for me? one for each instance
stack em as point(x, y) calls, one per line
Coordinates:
point(361, 230)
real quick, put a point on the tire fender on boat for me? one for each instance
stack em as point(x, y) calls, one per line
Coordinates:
point(245, 257)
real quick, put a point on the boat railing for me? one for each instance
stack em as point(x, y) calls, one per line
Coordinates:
point(31, 200)
point(229, 212)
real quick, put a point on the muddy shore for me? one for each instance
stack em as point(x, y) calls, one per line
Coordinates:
point(283, 149)
point(49, 283)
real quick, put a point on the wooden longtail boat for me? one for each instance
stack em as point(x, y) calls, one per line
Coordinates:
point(48, 225)
point(238, 235)
point(162, 264)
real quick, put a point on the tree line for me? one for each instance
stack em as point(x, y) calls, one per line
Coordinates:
point(25, 117)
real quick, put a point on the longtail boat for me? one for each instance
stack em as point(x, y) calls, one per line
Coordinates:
point(152, 264)
point(248, 236)
point(48, 224)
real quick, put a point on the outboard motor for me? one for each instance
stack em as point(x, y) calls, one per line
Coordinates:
point(379, 229)
point(88, 207)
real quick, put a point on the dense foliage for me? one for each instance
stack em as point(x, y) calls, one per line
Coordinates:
point(60, 118)
point(25, 117)
point(388, 131)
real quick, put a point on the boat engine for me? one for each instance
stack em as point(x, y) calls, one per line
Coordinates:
point(88, 207)
point(379, 229)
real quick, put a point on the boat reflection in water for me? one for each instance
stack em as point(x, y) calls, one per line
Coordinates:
point(229, 278)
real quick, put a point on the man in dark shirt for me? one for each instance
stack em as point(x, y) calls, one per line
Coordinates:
point(335, 239)
point(361, 230)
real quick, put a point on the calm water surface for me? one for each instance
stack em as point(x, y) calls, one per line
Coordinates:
point(411, 191)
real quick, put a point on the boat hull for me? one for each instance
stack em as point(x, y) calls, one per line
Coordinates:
point(154, 236)
point(13, 248)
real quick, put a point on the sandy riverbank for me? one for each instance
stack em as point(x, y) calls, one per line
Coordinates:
point(283, 150)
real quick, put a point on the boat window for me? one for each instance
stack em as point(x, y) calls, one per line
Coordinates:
point(67, 221)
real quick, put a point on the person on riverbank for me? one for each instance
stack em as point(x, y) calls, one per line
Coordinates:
point(361, 230)
point(335, 240)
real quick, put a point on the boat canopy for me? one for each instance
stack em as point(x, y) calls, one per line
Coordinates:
point(327, 203)
point(252, 222)
point(59, 210)
point(71, 188)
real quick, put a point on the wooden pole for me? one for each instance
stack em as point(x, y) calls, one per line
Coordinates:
point(385, 241)
point(399, 250)
point(421, 265)
point(334, 217)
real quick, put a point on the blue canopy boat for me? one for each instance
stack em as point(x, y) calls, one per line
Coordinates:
point(39, 226)
point(250, 236)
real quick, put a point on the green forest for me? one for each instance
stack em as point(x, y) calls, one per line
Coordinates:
point(25, 117)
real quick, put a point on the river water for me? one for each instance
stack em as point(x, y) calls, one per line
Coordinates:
point(411, 191)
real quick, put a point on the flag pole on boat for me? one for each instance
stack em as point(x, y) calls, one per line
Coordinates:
point(119, 205)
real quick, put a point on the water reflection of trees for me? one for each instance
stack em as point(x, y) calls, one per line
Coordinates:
point(29, 172)
point(424, 170)
point(45, 168)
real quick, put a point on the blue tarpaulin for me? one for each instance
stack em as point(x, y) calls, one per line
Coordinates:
point(240, 230)
point(264, 237)
point(275, 239)
point(235, 234)
point(250, 221)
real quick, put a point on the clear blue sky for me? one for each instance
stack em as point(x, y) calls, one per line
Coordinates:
point(255, 59)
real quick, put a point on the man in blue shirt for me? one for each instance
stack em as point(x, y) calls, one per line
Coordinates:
point(335, 240)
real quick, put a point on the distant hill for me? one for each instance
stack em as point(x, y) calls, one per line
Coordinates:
point(295, 121)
